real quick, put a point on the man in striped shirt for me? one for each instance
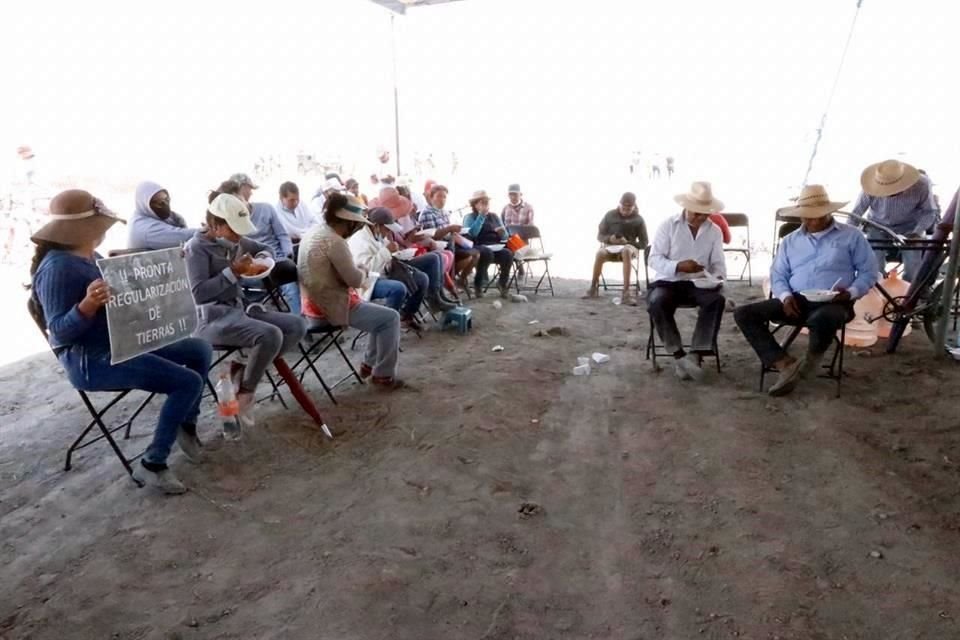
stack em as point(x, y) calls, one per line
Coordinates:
point(897, 196)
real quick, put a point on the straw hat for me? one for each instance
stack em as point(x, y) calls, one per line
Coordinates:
point(700, 199)
point(888, 178)
point(76, 218)
point(478, 196)
point(812, 203)
point(353, 211)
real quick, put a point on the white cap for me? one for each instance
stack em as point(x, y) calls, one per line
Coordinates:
point(234, 211)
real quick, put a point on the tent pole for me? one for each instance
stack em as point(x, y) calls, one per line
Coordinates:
point(396, 98)
point(946, 303)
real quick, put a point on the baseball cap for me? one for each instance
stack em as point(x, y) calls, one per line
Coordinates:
point(234, 211)
point(243, 179)
point(514, 188)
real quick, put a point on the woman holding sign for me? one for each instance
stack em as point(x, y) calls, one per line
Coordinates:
point(217, 259)
point(71, 297)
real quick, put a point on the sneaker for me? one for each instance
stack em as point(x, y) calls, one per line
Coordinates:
point(504, 291)
point(680, 371)
point(247, 403)
point(690, 365)
point(164, 480)
point(629, 300)
point(190, 445)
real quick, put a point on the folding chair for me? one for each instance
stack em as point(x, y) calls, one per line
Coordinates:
point(834, 369)
point(528, 233)
point(225, 352)
point(618, 286)
point(96, 413)
point(327, 336)
point(655, 350)
point(782, 227)
point(740, 220)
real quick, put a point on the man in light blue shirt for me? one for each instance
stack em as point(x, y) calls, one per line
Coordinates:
point(897, 196)
point(822, 255)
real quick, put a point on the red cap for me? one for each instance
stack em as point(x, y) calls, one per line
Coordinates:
point(429, 185)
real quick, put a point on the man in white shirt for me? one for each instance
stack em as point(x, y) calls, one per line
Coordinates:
point(687, 256)
point(294, 215)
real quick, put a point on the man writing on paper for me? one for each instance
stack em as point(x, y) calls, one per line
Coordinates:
point(623, 234)
point(687, 256)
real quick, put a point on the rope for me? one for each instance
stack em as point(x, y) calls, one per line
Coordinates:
point(833, 91)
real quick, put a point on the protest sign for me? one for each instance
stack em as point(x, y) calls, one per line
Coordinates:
point(151, 305)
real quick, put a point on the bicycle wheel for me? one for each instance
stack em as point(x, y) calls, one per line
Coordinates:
point(933, 312)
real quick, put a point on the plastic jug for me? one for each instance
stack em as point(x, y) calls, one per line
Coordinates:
point(861, 332)
point(896, 287)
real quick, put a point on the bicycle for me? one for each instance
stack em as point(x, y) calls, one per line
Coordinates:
point(923, 302)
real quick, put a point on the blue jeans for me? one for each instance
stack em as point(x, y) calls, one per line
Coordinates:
point(178, 371)
point(432, 265)
point(911, 259)
point(392, 292)
point(291, 293)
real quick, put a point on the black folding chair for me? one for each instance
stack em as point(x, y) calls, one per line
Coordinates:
point(782, 227)
point(96, 413)
point(522, 266)
point(834, 369)
point(740, 221)
point(326, 336)
point(655, 350)
point(618, 286)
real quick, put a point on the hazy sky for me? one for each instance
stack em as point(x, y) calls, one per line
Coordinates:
point(553, 94)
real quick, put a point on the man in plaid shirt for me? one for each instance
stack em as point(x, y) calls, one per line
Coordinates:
point(517, 212)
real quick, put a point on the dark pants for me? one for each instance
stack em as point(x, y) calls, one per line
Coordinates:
point(284, 272)
point(503, 258)
point(432, 265)
point(666, 297)
point(822, 319)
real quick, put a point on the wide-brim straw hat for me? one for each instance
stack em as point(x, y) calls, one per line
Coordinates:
point(353, 211)
point(478, 196)
point(888, 178)
point(700, 199)
point(76, 218)
point(812, 203)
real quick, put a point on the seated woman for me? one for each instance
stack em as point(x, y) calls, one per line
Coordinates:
point(434, 217)
point(217, 259)
point(486, 229)
point(329, 279)
point(71, 298)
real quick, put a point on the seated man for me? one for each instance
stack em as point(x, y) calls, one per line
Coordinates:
point(294, 215)
point(517, 212)
point(153, 224)
point(688, 248)
point(270, 231)
point(897, 196)
point(821, 254)
point(620, 227)
point(486, 229)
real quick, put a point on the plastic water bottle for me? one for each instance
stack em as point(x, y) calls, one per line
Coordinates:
point(228, 408)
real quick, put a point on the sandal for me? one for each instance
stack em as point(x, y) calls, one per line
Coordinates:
point(365, 371)
point(388, 383)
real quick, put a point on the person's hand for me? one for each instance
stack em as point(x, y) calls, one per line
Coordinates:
point(241, 264)
point(453, 228)
point(393, 247)
point(842, 296)
point(689, 266)
point(98, 294)
point(791, 307)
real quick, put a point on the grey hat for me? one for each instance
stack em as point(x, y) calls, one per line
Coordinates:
point(243, 179)
point(380, 215)
point(514, 188)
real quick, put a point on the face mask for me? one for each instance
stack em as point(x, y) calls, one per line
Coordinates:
point(162, 210)
point(226, 244)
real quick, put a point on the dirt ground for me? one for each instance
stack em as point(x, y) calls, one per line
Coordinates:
point(507, 499)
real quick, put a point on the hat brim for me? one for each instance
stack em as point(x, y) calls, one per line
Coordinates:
point(818, 211)
point(343, 214)
point(911, 175)
point(396, 228)
point(403, 208)
point(242, 226)
point(688, 203)
point(73, 233)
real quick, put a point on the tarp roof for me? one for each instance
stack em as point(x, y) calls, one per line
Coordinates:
point(401, 6)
